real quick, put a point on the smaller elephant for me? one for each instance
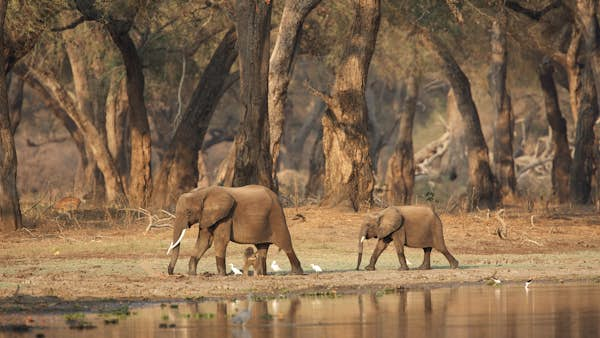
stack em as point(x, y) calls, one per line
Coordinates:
point(412, 226)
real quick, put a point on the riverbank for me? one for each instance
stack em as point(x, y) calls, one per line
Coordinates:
point(47, 268)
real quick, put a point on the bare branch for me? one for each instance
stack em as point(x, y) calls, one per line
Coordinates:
point(326, 98)
point(532, 13)
point(71, 25)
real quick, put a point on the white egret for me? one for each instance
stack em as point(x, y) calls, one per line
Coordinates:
point(235, 270)
point(243, 316)
point(275, 267)
point(316, 268)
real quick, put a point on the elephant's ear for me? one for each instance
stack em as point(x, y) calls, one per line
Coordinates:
point(217, 204)
point(390, 220)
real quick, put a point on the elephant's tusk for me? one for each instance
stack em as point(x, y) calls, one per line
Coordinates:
point(362, 239)
point(173, 246)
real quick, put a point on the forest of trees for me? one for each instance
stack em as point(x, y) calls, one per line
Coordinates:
point(361, 98)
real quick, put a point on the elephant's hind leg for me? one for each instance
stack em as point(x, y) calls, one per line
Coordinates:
point(453, 262)
point(203, 242)
point(261, 258)
point(426, 265)
point(295, 262)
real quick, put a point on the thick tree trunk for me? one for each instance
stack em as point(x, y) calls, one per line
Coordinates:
point(504, 165)
point(115, 193)
point(400, 174)
point(177, 173)
point(583, 165)
point(117, 107)
point(10, 210)
point(584, 105)
point(253, 163)
point(454, 162)
point(348, 180)
point(281, 66)
point(561, 163)
point(140, 175)
point(481, 190)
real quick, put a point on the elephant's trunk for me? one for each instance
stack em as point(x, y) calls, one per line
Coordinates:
point(178, 233)
point(361, 239)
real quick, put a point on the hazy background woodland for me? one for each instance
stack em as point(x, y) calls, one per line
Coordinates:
point(132, 89)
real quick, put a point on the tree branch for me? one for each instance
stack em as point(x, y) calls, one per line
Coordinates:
point(532, 13)
point(72, 25)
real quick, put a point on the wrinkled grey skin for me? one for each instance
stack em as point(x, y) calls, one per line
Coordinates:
point(412, 226)
point(246, 215)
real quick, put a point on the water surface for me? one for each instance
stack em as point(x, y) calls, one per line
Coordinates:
point(545, 310)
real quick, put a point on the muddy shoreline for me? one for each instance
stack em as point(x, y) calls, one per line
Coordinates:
point(87, 268)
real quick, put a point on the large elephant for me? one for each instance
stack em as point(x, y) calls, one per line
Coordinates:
point(247, 215)
point(412, 226)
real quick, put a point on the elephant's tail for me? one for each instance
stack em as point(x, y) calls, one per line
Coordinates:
point(176, 244)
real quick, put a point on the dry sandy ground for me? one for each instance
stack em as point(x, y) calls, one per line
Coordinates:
point(47, 269)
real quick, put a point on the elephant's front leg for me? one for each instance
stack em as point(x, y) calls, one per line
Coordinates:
point(203, 242)
point(261, 258)
point(399, 240)
point(382, 243)
point(221, 236)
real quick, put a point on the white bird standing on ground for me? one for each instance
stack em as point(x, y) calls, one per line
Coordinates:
point(316, 268)
point(235, 270)
point(243, 316)
point(275, 267)
point(527, 283)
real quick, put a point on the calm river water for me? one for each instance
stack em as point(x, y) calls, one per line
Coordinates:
point(545, 310)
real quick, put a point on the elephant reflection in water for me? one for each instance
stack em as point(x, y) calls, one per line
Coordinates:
point(410, 311)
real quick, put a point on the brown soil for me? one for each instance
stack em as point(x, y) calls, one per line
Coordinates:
point(90, 261)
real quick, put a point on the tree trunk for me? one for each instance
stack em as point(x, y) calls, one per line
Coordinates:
point(400, 174)
point(281, 66)
point(15, 97)
point(94, 140)
point(177, 174)
point(454, 163)
point(116, 108)
point(481, 188)
point(582, 168)
point(561, 163)
point(348, 180)
point(253, 163)
point(588, 19)
point(316, 168)
point(504, 165)
point(140, 175)
point(10, 210)
point(74, 44)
